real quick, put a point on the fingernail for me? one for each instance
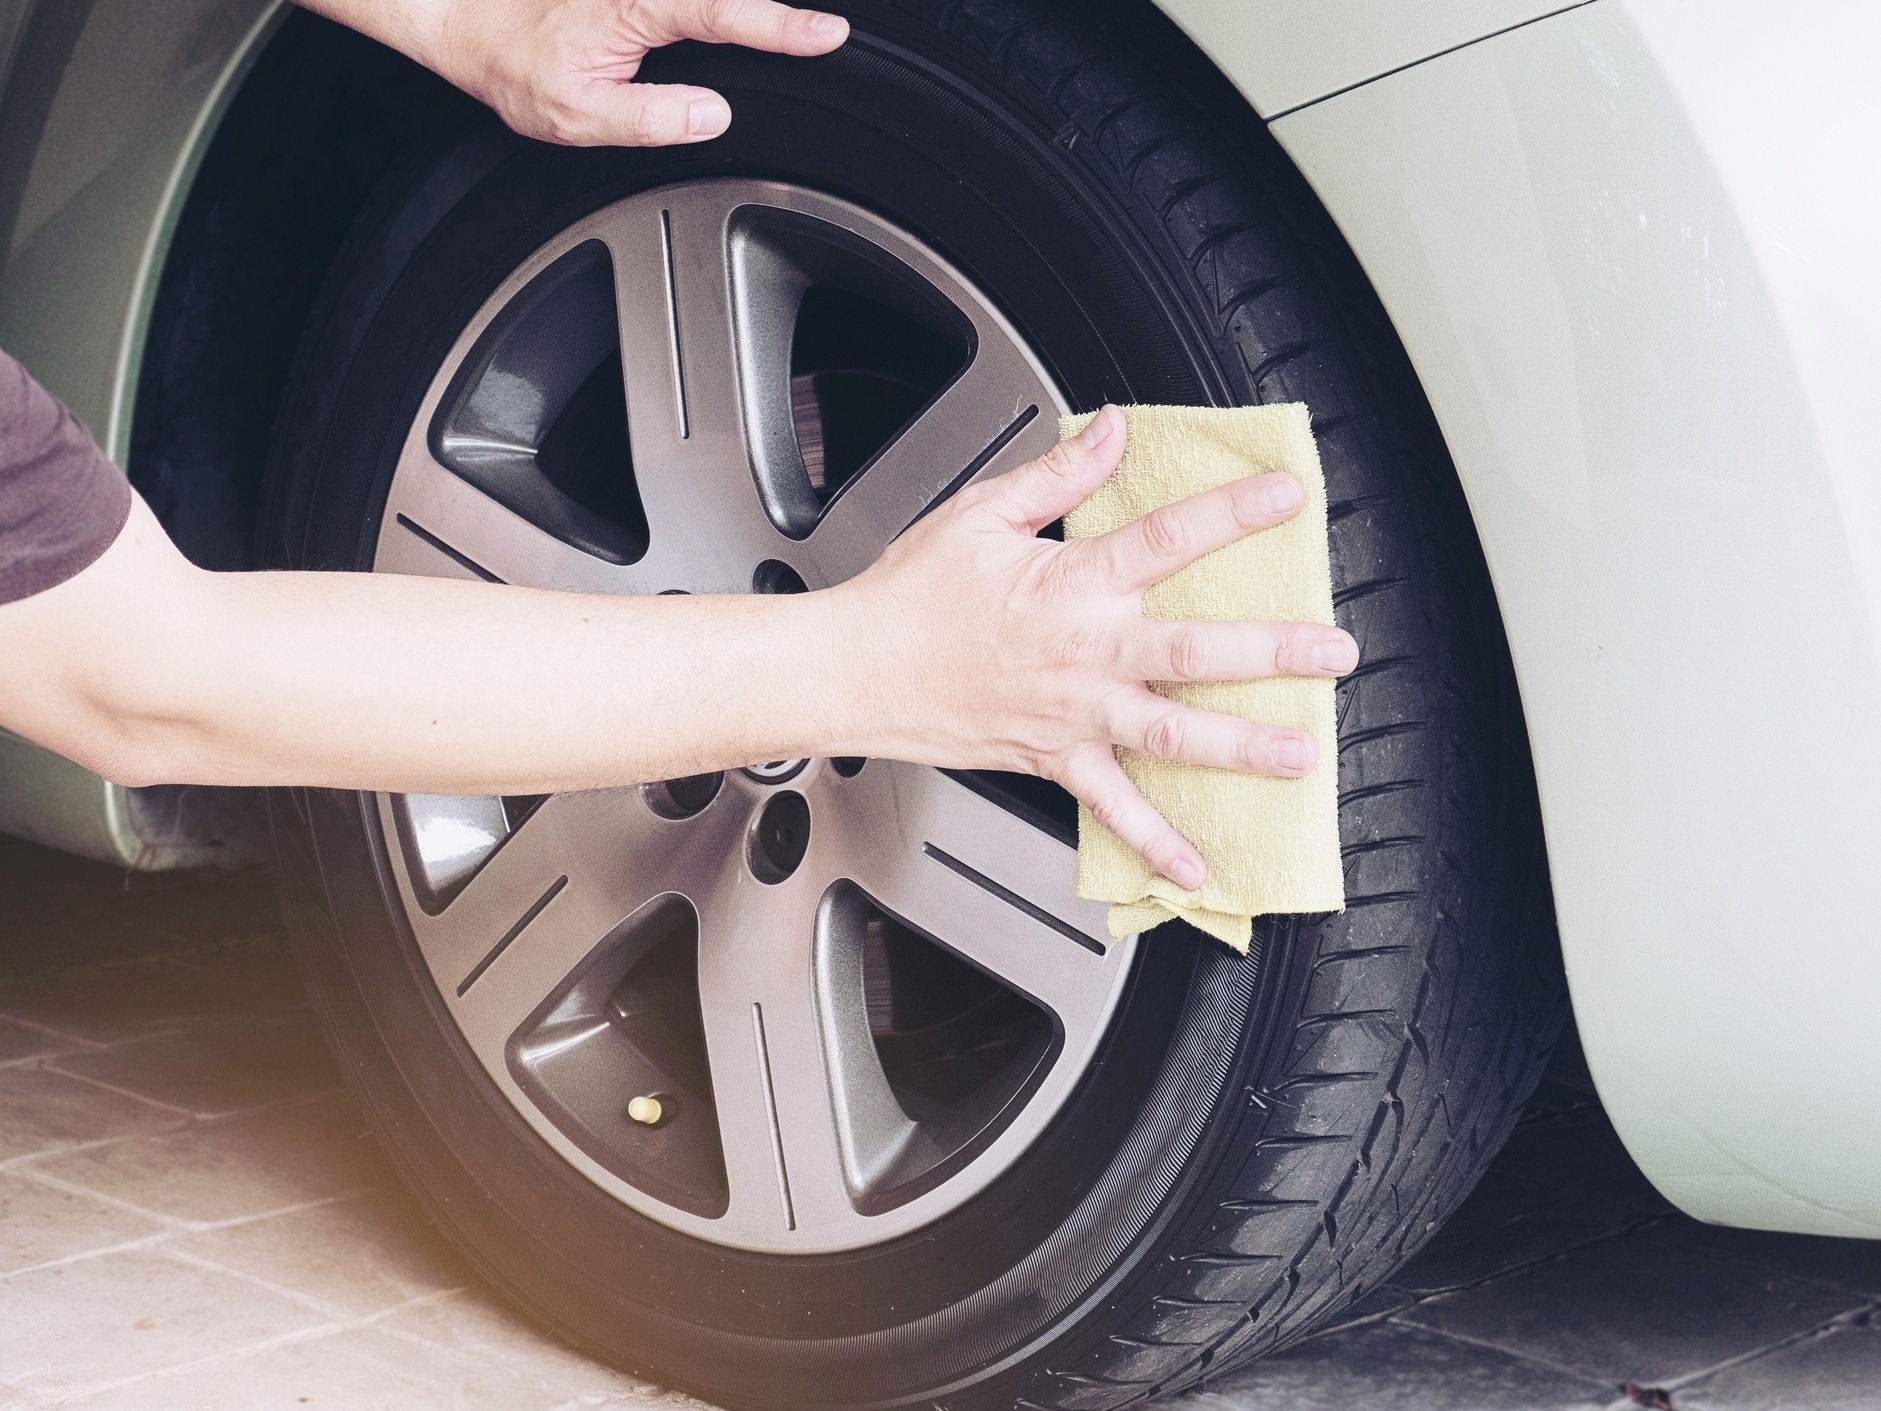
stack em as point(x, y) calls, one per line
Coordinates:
point(1096, 434)
point(1293, 753)
point(1282, 494)
point(829, 26)
point(1336, 654)
point(707, 117)
point(1186, 872)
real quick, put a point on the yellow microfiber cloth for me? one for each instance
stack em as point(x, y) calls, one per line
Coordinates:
point(1271, 845)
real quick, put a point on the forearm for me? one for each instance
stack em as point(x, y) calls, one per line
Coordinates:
point(431, 686)
point(427, 685)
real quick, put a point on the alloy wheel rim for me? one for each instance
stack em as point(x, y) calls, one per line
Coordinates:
point(760, 962)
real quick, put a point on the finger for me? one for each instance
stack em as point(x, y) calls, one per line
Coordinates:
point(762, 24)
point(1176, 535)
point(1239, 651)
point(1152, 725)
point(649, 115)
point(1100, 785)
point(1031, 497)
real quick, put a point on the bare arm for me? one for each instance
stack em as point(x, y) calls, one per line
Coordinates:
point(971, 644)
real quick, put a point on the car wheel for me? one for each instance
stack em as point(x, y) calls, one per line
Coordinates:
point(812, 1083)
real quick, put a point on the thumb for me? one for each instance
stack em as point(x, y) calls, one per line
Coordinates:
point(652, 115)
point(1040, 491)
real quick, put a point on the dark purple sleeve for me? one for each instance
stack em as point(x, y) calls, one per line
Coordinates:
point(62, 503)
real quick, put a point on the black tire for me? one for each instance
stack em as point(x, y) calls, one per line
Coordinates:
point(1263, 1140)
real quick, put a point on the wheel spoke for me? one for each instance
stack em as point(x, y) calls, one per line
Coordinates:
point(996, 415)
point(768, 1079)
point(708, 531)
point(983, 882)
point(580, 865)
point(437, 525)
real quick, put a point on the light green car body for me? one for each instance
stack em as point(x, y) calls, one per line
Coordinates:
point(1622, 245)
point(106, 112)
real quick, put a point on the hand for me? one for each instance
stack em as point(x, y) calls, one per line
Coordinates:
point(562, 70)
point(991, 648)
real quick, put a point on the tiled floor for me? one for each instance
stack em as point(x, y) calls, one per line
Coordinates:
point(193, 1216)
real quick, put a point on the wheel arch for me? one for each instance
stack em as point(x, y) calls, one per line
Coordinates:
point(107, 110)
point(160, 167)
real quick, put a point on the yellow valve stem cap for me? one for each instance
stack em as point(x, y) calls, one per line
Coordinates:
point(648, 1111)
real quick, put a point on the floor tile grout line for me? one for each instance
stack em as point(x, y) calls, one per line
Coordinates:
point(126, 1092)
point(1520, 1356)
point(236, 1222)
point(184, 1123)
point(97, 1389)
point(416, 1301)
point(228, 1116)
point(15, 1165)
point(184, 1226)
point(1787, 1272)
point(168, 1222)
point(415, 1339)
point(32, 1060)
point(1867, 1304)
point(198, 1026)
point(1417, 1300)
point(66, 1261)
point(1846, 1318)
point(307, 1300)
point(188, 949)
point(55, 1032)
point(180, 1027)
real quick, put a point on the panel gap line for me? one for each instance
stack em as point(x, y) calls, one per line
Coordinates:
point(1427, 58)
point(770, 1113)
point(509, 936)
point(462, 560)
point(1013, 899)
point(672, 325)
point(974, 467)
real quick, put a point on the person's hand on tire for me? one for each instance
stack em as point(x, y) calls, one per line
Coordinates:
point(992, 648)
point(564, 70)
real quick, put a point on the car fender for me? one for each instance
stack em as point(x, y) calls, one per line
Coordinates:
point(1630, 252)
point(107, 109)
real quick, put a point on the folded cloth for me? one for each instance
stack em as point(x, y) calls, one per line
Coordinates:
point(1271, 845)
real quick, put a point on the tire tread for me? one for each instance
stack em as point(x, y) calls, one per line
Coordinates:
point(1486, 1030)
